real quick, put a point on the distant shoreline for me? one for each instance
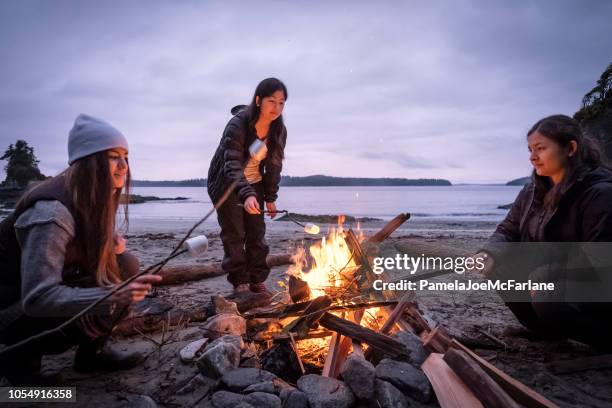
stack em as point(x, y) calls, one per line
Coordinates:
point(309, 181)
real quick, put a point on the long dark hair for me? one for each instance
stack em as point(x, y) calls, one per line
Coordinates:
point(95, 204)
point(562, 129)
point(266, 88)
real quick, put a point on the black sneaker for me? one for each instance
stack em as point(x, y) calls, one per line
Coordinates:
point(89, 358)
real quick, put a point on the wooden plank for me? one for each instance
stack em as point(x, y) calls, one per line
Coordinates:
point(330, 359)
point(450, 390)
point(517, 390)
point(384, 343)
point(580, 364)
point(478, 381)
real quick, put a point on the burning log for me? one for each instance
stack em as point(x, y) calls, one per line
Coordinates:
point(176, 274)
point(298, 289)
point(311, 315)
point(477, 380)
point(297, 309)
point(362, 334)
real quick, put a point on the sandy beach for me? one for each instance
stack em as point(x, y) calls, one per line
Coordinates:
point(464, 315)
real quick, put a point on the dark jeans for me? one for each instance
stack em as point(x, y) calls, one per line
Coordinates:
point(27, 358)
point(244, 243)
point(589, 323)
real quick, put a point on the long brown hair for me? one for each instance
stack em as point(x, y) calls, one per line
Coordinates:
point(562, 130)
point(95, 203)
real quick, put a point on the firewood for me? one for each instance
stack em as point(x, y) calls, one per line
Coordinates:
point(389, 228)
point(580, 364)
point(312, 334)
point(297, 309)
point(337, 355)
point(484, 387)
point(311, 315)
point(520, 392)
point(384, 343)
point(394, 316)
point(450, 391)
point(175, 274)
point(436, 340)
point(298, 289)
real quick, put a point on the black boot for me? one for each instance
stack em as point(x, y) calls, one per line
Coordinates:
point(96, 355)
point(23, 370)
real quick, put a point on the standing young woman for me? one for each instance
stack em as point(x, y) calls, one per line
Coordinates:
point(568, 200)
point(59, 253)
point(258, 175)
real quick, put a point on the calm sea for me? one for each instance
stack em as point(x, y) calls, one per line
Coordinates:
point(460, 203)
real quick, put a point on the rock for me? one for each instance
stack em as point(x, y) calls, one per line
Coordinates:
point(359, 374)
point(191, 334)
point(406, 378)
point(263, 400)
point(240, 378)
point(266, 386)
point(224, 399)
point(141, 401)
point(388, 396)
point(218, 325)
point(296, 399)
point(325, 392)
point(414, 346)
point(218, 360)
point(252, 362)
point(220, 305)
point(281, 360)
point(191, 351)
point(228, 338)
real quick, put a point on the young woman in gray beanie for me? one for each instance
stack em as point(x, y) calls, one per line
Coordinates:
point(258, 173)
point(59, 252)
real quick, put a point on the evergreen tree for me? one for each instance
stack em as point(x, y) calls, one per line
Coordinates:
point(22, 166)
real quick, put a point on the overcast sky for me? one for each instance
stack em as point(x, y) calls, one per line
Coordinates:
point(376, 89)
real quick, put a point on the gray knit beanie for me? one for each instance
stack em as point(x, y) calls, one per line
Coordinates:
point(90, 135)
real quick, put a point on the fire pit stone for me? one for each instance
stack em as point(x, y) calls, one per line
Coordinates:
point(388, 396)
point(218, 325)
point(406, 378)
point(218, 360)
point(239, 379)
point(359, 374)
point(325, 392)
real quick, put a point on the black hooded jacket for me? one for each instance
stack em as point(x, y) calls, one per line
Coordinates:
point(232, 154)
point(583, 215)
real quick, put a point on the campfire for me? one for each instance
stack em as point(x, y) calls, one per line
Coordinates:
point(326, 339)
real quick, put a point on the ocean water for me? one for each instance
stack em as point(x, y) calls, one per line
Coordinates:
point(452, 203)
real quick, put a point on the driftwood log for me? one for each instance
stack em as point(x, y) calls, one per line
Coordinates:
point(174, 274)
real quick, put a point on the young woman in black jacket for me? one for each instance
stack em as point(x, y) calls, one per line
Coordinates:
point(258, 174)
point(568, 205)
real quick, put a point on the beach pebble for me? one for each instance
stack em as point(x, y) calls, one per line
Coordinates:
point(359, 374)
point(388, 396)
point(240, 378)
point(406, 378)
point(222, 324)
point(325, 392)
point(190, 352)
point(296, 399)
point(218, 360)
